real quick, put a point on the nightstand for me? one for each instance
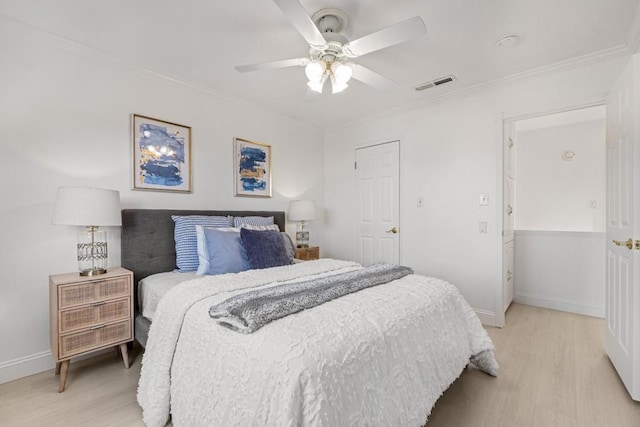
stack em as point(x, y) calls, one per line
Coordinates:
point(309, 253)
point(89, 313)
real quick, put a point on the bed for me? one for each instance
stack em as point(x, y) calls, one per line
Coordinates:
point(380, 356)
point(148, 247)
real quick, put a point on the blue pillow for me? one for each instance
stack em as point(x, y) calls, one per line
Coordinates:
point(220, 251)
point(185, 237)
point(238, 221)
point(264, 249)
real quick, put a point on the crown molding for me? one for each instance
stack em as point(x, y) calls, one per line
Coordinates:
point(568, 64)
point(633, 37)
point(13, 26)
point(22, 29)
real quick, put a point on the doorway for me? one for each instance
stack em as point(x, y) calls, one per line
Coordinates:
point(377, 229)
point(554, 209)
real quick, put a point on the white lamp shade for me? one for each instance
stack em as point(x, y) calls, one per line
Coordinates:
point(317, 86)
point(341, 72)
point(87, 206)
point(337, 87)
point(302, 210)
point(314, 70)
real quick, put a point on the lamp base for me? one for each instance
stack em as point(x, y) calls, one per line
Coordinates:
point(93, 272)
point(302, 235)
point(92, 251)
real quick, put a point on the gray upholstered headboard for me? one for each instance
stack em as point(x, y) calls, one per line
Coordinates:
point(148, 246)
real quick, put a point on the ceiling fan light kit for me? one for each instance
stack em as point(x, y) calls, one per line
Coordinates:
point(317, 85)
point(314, 70)
point(342, 72)
point(336, 86)
point(329, 50)
point(318, 71)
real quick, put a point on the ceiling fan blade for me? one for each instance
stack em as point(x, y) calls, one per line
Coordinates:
point(371, 78)
point(299, 62)
point(395, 34)
point(301, 20)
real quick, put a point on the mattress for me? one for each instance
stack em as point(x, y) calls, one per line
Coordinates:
point(152, 288)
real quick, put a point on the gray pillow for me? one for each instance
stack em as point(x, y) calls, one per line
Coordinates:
point(289, 247)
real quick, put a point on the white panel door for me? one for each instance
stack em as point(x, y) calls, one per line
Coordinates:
point(378, 204)
point(622, 279)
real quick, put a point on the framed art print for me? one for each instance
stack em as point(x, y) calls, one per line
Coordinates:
point(252, 168)
point(161, 155)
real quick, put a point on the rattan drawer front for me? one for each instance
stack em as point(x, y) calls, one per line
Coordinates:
point(94, 339)
point(100, 312)
point(83, 293)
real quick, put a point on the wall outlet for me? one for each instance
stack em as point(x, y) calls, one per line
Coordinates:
point(482, 227)
point(420, 201)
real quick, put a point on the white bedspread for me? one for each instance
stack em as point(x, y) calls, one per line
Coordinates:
point(379, 357)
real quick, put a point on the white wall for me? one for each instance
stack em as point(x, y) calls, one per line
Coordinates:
point(453, 144)
point(65, 120)
point(559, 212)
point(561, 270)
point(554, 194)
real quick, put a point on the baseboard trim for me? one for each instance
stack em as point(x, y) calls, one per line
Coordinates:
point(559, 304)
point(487, 318)
point(25, 366)
point(38, 362)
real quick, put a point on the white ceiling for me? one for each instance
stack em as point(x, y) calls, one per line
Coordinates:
point(201, 41)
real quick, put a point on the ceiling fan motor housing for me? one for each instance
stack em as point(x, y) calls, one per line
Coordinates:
point(330, 20)
point(329, 53)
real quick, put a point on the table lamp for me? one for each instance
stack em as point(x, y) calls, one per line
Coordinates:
point(301, 211)
point(90, 208)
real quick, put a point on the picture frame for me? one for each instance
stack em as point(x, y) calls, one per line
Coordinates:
point(161, 155)
point(252, 168)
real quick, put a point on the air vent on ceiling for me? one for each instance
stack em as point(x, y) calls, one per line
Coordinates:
point(436, 82)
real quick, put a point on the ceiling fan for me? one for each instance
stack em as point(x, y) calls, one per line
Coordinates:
point(330, 53)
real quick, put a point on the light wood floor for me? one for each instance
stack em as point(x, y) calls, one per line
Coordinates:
point(554, 372)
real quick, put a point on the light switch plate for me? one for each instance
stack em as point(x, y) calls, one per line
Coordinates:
point(420, 201)
point(484, 199)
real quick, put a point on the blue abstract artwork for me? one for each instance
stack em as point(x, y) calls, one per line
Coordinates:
point(162, 151)
point(253, 175)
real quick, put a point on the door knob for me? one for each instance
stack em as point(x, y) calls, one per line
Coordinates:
point(394, 230)
point(628, 243)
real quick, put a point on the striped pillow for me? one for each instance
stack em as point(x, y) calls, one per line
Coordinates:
point(186, 240)
point(239, 221)
point(272, 227)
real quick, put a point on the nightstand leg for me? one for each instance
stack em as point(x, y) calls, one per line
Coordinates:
point(125, 355)
point(57, 368)
point(63, 375)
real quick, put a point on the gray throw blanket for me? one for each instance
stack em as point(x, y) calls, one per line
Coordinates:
point(249, 311)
